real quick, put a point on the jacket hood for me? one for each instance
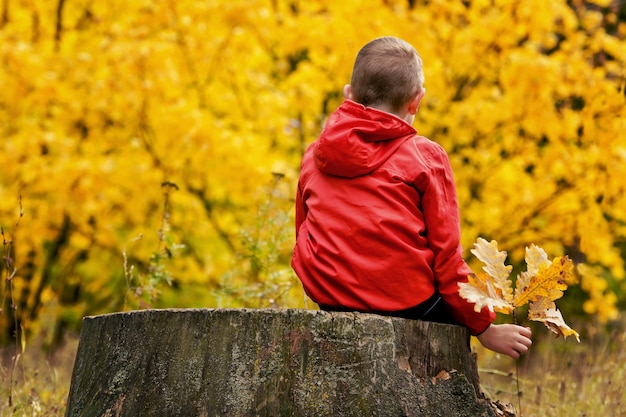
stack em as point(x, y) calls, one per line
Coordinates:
point(356, 140)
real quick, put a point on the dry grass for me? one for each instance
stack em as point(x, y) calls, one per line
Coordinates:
point(40, 381)
point(557, 378)
point(562, 378)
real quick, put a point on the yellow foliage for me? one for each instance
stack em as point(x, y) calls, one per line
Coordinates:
point(104, 101)
point(601, 302)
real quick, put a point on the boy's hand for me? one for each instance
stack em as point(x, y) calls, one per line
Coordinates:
point(509, 339)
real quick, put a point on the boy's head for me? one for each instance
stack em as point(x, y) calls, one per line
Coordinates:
point(387, 73)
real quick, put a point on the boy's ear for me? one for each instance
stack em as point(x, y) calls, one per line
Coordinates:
point(415, 103)
point(347, 92)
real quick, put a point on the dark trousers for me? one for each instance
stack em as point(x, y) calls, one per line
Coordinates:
point(433, 309)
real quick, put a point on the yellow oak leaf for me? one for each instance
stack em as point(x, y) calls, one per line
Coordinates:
point(536, 258)
point(488, 253)
point(550, 281)
point(482, 291)
point(545, 311)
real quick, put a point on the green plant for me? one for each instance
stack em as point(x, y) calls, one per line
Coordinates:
point(261, 276)
point(144, 288)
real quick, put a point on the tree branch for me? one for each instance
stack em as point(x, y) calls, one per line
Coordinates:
point(59, 25)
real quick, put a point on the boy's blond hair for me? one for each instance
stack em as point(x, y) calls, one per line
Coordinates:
point(387, 71)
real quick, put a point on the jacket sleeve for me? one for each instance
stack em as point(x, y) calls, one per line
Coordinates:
point(441, 214)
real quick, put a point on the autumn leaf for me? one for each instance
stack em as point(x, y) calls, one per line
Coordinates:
point(544, 310)
point(491, 288)
point(535, 259)
point(549, 281)
point(481, 291)
point(499, 273)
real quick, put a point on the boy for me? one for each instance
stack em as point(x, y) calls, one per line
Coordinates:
point(377, 220)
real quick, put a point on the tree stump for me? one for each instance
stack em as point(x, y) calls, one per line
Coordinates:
point(272, 362)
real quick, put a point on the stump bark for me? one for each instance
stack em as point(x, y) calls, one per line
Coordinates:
point(272, 362)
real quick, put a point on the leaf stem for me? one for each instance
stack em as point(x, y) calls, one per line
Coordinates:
point(519, 391)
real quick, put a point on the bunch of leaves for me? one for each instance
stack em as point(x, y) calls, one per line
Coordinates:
point(542, 283)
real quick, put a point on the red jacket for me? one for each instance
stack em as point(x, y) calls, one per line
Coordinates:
point(377, 219)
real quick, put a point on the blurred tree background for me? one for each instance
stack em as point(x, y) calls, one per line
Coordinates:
point(149, 151)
